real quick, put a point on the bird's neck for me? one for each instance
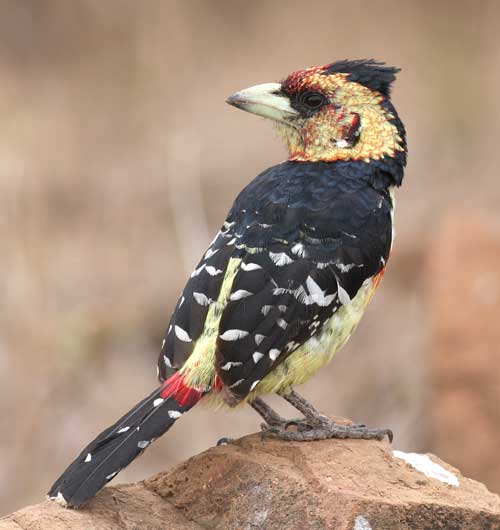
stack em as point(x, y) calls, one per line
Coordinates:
point(365, 134)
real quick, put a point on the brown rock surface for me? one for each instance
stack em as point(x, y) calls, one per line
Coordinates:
point(270, 485)
point(463, 295)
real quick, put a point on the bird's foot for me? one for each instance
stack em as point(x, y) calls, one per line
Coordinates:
point(324, 429)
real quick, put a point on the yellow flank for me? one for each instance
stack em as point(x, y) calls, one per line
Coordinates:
point(315, 353)
point(322, 137)
point(319, 350)
point(199, 369)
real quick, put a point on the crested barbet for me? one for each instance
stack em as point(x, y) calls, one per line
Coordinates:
point(287, 278)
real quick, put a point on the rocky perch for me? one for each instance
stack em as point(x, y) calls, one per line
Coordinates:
point(274, 485)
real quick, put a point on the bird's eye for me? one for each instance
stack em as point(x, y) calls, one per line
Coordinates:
point(314, 100)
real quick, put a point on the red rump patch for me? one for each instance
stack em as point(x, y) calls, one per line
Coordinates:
point(175, 387)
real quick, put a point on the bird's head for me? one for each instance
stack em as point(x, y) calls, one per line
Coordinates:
point(340, 111)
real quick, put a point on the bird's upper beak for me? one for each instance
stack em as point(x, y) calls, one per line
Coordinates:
point(265, 100)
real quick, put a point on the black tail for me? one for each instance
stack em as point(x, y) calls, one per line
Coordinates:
point(121, 443)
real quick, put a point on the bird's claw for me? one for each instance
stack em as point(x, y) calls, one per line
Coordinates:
point(325, 430)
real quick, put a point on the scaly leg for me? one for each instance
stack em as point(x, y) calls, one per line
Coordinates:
point(272, 418)
point(320, 427)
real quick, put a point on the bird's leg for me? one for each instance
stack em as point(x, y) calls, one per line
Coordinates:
point(320, 427)
point(272, 418)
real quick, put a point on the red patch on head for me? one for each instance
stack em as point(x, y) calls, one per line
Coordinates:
point(300, 80)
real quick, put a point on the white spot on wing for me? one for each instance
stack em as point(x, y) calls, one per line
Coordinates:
point(299, 250)
point(213, 271)
point(174, 414)
point(122, 430)
point(163, 344)
point(280, 258)
point(283, 324)
point(274, 354)
point(259, 338)
point(202, 299)
point(344, 297)
point(209, 253)
point(265, 309)
point(238, 295)
point(248, 267)
point(167, 362)
point(181, 334)
point(233, 334)
point(230, 364)
point(237, 383)
point(345, 267)
point(429, 468)
point(257, 356)
point(197, 271)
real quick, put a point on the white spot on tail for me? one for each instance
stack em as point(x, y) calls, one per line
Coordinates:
point(254, 384)
point(88, 458)
point(111, 475)
point(174, 414)
point(257, 356)
point(233, 334)
point(182, 334)
point(142, 444)
point(158, 402)
point(429, 468)
point(163, 344)
point(238, 295)
point(59, 499)
point(283, 324)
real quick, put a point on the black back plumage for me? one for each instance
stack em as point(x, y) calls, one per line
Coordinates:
point(308, 235)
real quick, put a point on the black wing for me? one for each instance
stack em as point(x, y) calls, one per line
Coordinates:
point(307, 237)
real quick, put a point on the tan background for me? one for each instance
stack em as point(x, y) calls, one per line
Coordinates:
point(119, 160)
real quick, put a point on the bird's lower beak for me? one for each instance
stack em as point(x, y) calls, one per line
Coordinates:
point(265, 100)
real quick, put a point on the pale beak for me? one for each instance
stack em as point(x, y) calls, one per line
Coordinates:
point(265, 100)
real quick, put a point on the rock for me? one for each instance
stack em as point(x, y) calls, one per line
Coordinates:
point(463, 301)
point(253, 484)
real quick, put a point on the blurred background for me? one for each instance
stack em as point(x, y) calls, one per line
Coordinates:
point(119, 160)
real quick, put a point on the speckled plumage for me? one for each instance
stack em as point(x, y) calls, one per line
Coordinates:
point(287, 278)
point(305, 237)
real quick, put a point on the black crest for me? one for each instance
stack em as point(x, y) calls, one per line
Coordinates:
point(368, 72)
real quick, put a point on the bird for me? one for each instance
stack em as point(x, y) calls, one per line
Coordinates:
point(287, 278)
